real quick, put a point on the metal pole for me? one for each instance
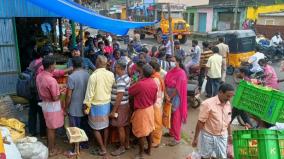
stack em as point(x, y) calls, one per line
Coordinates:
point(73, 29)
point(127, 8)
point(170, 29)
point(81, 34)
point(60, 34)
point(236, 14)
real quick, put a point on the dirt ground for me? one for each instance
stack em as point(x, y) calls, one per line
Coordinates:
point(163, 152)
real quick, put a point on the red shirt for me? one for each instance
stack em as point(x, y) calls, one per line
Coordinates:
point(108, 50)
point(144, 92)
point(47, 86)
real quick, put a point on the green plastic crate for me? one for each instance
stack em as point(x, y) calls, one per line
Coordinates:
point(61, 67)
point(262, 102)
point(258, 144)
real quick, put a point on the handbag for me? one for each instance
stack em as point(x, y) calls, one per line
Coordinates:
point(167, 111)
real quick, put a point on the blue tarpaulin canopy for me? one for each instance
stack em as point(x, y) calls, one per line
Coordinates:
point(78, 13)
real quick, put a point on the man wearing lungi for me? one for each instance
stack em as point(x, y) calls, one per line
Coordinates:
point(145, 96)
point(97, 101)
point(48, 90)
point(213, 127)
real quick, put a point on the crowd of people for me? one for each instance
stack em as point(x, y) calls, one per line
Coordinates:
point(127, 89)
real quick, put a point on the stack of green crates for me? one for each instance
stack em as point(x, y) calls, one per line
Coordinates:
point(258, 144)
point(262, 102)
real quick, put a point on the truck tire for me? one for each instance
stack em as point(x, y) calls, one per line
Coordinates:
point(142, 36)
point(183, 40)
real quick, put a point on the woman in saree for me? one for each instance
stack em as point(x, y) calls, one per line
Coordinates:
point(176, 93)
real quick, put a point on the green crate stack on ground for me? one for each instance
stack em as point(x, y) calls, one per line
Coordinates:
point(258, 144)
point(262, 102)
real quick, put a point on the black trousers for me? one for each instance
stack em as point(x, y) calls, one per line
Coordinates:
point(35, 112)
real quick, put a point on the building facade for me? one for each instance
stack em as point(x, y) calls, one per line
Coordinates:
point(9, 48)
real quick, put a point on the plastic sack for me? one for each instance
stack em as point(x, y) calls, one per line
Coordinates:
point(203, 87)
point(11, 150)
point(15, 127)
point(194, 155)
point(278, 126)
point(30, 148)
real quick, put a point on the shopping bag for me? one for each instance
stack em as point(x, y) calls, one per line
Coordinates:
point(194, 155)
point(203, 86)
point(167, 110)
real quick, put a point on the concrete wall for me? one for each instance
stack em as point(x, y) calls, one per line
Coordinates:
point(216, 12)
point(209, 19)
point(269, 20)
point(252, 12)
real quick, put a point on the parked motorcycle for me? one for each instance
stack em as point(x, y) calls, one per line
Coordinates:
point(271, 52)
point(193, 93)
point(194, 72)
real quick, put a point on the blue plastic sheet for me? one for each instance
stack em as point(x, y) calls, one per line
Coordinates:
point(78, 13)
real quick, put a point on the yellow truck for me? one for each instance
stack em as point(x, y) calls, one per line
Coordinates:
point(179, 26)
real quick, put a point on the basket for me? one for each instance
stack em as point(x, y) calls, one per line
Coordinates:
point(258, 144)
point(262, 102)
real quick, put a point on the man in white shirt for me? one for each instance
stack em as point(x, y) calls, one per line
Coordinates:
point(109, 38)
point(254, 61)
point(276, 40)
point(168, 45)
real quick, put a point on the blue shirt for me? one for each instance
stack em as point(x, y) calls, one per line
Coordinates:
point(87, 64)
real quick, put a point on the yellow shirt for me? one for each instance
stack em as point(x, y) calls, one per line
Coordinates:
point(99, 87)
point(214, 65)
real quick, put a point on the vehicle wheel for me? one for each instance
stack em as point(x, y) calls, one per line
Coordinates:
point(142, 36)
point(230, 70)
point(183, 40)
point(195, 103)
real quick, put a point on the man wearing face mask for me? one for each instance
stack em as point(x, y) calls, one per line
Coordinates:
point(213, 127)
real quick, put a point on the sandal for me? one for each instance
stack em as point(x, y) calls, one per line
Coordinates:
point(173, 143)
point(118, 152)
point(70, 154)
point(147, 152)
point(138, 156)
point(102, 153)
point(155, 145)
point(55, 152)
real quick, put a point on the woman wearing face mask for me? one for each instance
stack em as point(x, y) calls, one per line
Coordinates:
point(176, 93)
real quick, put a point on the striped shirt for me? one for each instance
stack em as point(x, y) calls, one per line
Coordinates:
point(204, 58)
point(121, 85)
